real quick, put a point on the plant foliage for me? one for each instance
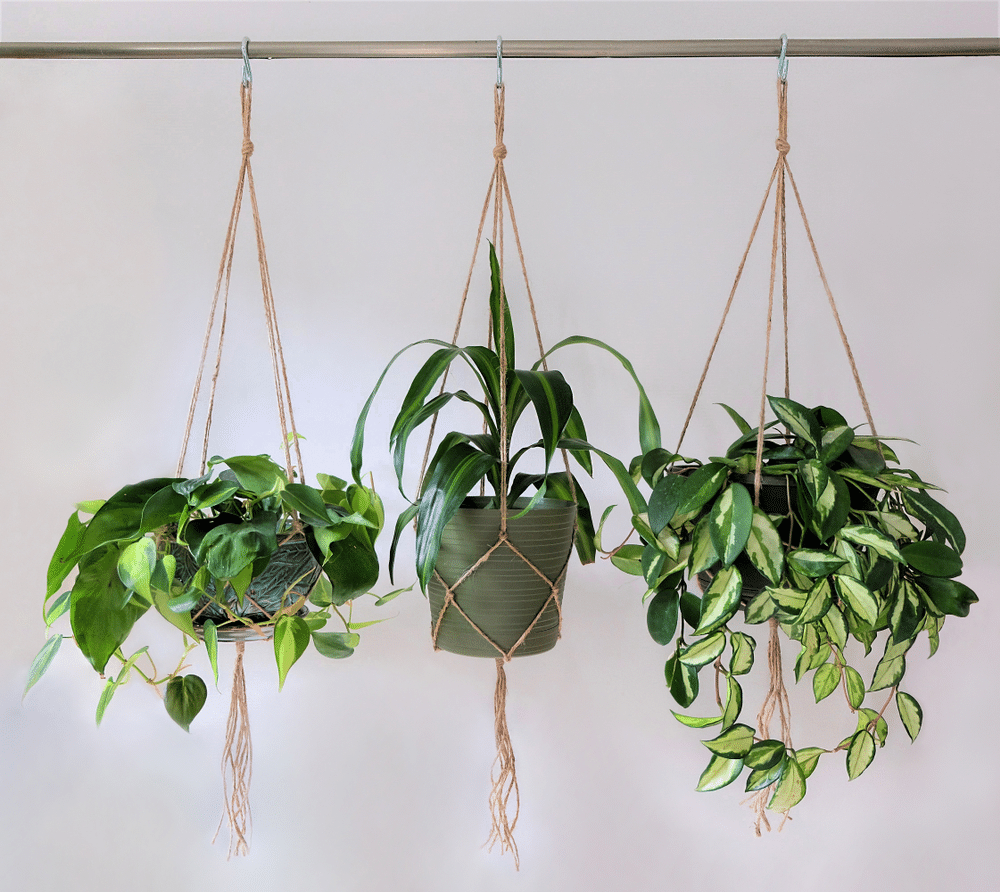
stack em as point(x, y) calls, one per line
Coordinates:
point(189, 549)
point(462, 460)
point(844, 551)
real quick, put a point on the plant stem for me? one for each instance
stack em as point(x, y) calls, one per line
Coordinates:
point(718, 672)
point(892, 693)
point(842, 663)
point(346, 623)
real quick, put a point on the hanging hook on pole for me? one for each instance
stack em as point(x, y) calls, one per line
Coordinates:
point(247, 73)
point(783, 59)
point(499, 61)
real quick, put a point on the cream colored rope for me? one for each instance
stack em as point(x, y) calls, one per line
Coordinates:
point(503, 775)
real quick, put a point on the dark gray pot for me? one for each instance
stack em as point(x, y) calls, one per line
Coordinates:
point(291, 573)
point(774, 492)
point(503, 595)
point(774, 499)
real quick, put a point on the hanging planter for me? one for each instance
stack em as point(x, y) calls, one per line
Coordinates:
point(493, 592)
point(495, 589)
point(809, 526)
point(171, 544)
point(507, 598)
point(244, 551)
point(288, 578)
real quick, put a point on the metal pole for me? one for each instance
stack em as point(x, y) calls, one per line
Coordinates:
point(512, 49)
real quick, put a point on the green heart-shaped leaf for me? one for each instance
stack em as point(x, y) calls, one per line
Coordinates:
point(185, 696)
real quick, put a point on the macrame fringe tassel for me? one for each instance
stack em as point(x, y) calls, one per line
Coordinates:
point(237, 765)
point(777, 697)
point(503, 775)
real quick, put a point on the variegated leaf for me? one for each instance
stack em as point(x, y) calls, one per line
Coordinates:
point(764, 547)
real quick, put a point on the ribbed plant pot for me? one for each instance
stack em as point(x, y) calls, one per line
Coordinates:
point(774, 500)
point(291, 574)
point(503, 594)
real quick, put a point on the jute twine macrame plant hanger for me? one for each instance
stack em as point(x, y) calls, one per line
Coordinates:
point(237, 758)
point(503, 775)
point(777, 695)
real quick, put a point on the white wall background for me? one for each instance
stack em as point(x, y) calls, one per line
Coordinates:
point(635, 184)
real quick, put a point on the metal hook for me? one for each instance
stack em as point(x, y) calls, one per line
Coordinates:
point(247, 73)
point(783, 59)
point(499, 61)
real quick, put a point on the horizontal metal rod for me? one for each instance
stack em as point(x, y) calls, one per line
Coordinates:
point(512, 49)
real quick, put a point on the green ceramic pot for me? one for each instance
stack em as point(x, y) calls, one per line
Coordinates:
point(503, 595)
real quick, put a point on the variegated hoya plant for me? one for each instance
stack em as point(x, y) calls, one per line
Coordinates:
point(845, 552)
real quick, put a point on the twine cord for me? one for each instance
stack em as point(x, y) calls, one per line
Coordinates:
point(777, 698)
point(836, 313)
point(237, 764)
point(777, 695)
point(237, 758)
point(725, 312)
point(282, 390)
point(503, 775)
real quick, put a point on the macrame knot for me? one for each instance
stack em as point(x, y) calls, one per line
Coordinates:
point(247, 147)
point(782, 146)
point(500, 152)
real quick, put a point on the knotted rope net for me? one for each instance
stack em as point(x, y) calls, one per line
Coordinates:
point(503, 774)
point(777, 695)
point(238, 751)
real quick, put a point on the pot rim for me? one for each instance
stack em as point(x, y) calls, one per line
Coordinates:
point(480, 503)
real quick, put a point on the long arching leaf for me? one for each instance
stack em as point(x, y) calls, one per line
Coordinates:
point(552, 398)
point(456, 467)
point(412, 409)
point(575, 429)
point(557, 487)
point(635, 499)
point(358, 443)
point(649, 426)
point(496, 290)
point(403, 428)
point(401, 522)
point(487, 363)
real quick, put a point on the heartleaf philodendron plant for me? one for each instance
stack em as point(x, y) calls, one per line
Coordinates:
point(462, 460)
point(844, 548)
point(193, 550)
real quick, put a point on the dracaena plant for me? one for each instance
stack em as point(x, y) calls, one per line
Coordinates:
point(844, 551)
point(189, 549)
point(462, 460)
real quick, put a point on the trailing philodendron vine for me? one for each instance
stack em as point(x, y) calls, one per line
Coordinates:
point(192, 550)
point(842, 552)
